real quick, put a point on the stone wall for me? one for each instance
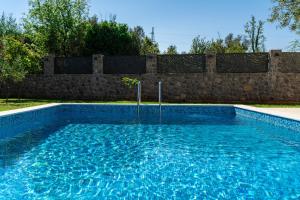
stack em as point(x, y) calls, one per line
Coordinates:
point(210, 86)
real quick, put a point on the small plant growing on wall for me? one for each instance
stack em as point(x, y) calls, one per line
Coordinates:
point(130, 82)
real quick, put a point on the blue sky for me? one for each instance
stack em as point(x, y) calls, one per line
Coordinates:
point(178, 21)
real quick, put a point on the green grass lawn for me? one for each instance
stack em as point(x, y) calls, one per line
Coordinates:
point(15, 103)
point(22, 103)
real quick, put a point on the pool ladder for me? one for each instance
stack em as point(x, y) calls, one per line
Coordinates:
point(139, 97)
point(160, 98)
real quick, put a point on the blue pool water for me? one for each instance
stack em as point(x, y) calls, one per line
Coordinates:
point(107, 152)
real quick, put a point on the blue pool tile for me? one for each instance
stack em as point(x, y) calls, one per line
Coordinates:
point(186, 152)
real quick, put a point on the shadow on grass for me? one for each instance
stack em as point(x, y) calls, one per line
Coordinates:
point(25, 101)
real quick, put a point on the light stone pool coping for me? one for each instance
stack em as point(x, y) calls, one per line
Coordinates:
point(288, 113)
point(27, 109)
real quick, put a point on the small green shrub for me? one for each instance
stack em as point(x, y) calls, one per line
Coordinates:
point(130, 82)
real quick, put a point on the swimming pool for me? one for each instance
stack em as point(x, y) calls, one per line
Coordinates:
point(75, 151)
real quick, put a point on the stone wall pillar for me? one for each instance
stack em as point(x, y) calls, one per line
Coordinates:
point(49, 62)
point(211, 63)
point(151, 64)
point(274, 63)
point(98, 64)
point(211, 70)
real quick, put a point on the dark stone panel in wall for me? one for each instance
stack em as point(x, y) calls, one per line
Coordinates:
point(289, 62)
point(124, 64)
point(242, 62)
point(73, 65)
point(187, 63)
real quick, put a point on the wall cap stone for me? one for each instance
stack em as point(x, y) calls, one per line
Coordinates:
point(275, 52)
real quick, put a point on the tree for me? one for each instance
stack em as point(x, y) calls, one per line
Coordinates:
point(199, 45)
point(58, 26)
point(294, 46)
point(287, 14)
point(254, 31)
point(230, 44)
point(149, 47)
point(138, 36)
point(8, 26)
point(17, 60)
point(110, 38)
point(171, 50)
point(216, 46)
point(18, 55)
point(144, 43)
point(238, 44)
point(139, 32)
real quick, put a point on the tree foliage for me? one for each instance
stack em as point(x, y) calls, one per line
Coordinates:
point(287, 14)
point(144, 43)
point(149, 47)
point(58, 26)
point(253, 41)
point(216, 46)
point(110, 38)
point(130, 82)
point(8, 26)
point(294, 46)
point(230, 44)
point(238, 44)
point(171, 50)
point(62, 27)
point(138, 36)
point(199, 45)
point(18, 59)
point(255, 33)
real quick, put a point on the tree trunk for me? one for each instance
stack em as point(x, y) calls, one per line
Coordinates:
point(19, 93)
point(7, 95)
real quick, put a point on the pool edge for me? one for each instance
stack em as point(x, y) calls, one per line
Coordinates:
point(27, 109)
point(267, 112)
point(239, 106)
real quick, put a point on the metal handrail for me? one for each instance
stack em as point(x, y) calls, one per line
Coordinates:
point(139, 96)
point(160, 97)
